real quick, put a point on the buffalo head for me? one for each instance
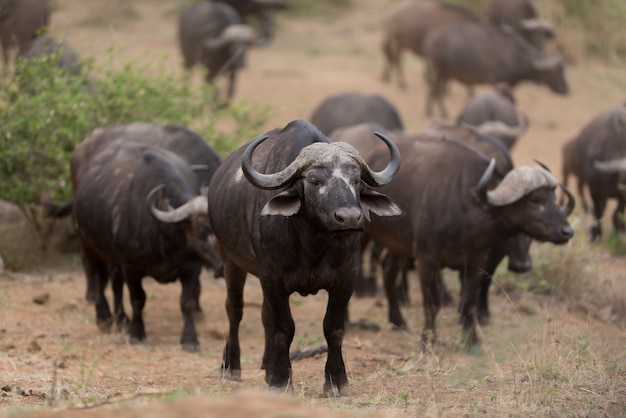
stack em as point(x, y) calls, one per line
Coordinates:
point(193, 217)
point(329, 183)
point(527, 201)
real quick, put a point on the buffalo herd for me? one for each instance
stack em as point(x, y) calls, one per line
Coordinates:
point(301, 205)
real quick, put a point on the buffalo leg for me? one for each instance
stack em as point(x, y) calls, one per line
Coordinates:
point(599, 205)
point(190, 283)
point(391, 267)
point(471, 280)
point(485, 275)
point(279, 331)
point(581, 195)
point(618, 215)
point(430, 277)
point(117, 284)
point(366, 285)
point(137, 296)
point(336, 380)
point(235, 281)
point(97, 276)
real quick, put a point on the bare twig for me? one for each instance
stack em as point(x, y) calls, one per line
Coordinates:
point(299, 355)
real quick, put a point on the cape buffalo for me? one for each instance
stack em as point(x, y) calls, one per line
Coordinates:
point(298, 229)
point(261, 11)
point(408, 24)
point(516, 248)
point(495, 115)
point(137, 208)
point(522, 16)
point(453, 220)
point(478, 53)
point(598, 159)
point(185, 143)
point(21, 21)
point(211, 33)
point(351, 108)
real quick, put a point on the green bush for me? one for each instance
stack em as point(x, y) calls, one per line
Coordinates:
point(45, 112)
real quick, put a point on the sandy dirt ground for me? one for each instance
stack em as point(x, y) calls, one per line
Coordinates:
point(55, 362)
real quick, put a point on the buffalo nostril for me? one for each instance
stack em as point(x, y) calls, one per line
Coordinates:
point(567, 231)
point(349, 217)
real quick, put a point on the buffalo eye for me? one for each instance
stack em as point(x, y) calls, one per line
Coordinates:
point(315, 180)
point(536, 200)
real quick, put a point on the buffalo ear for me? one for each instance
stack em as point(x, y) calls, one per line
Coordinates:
point(379, 204)
point(285, 203)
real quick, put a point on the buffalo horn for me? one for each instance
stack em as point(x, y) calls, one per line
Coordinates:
point(571, 202)
point(499, 128)
point(232, 34)
point(196, 205)
point(518, 183)
point(611, 166)
point(537, 24)
point(481, 189)
point(380, 178)
point(549, 62)
point(311, 153)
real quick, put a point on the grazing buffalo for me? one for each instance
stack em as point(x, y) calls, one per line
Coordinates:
point(454, 220)
point(297, 226)
point(351, 108)
point(138, 208)
point(522, 16)
point(482, 54)
point(495, 115)
point(185, 143)
point(598, 159)
point(21, 21)
point(64, 55)
point(262, 12)
point(407, 26)
point(211, 34)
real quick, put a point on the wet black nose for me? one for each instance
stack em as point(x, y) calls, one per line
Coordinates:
point(349, 218)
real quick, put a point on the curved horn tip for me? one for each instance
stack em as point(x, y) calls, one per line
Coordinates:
point(153, 192)
point(378, 179)
point(482, 183)
point(544, 166)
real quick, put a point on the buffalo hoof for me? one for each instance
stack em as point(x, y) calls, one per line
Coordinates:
point(332, 391)
point(472, 344)
point(282, 389)
point(483, 319)
point(475, 349)
point(105, 325)
point(399, 327)
point(136, 340)
point(191, 347)
point(122, 323)
point(232, 375)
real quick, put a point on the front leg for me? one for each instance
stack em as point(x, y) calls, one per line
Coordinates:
point(188, 304)
point(235, 281)
point(430, 278)
point(471, 280)
point(336, 380)
point(279, 331)
point(137, 301)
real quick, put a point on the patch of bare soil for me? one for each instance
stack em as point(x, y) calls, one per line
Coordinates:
point(541, 358)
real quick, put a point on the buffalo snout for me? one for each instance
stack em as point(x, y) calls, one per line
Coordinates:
point(349, 218)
